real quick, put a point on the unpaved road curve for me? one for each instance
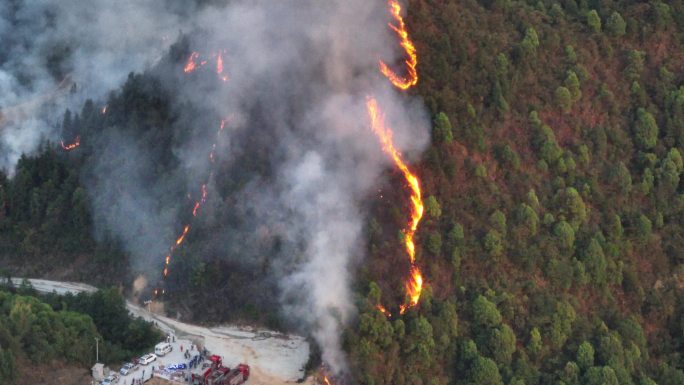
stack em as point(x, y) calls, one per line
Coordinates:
point(274, 358)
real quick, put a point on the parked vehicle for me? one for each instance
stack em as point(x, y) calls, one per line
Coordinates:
point(111, 379)
point(128, 368)
point(162, 348)
point(217, 374)
point(147, 359)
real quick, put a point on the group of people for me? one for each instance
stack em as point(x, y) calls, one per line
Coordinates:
point(195, 361)
point(139, 381)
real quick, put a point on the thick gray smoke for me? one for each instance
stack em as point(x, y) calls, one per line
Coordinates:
point(300, 72)
point(309, 66)
point(56, 53)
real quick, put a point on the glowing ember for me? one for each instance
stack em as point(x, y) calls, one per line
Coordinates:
point(71, 146)
point(415, 284)
point(412, 75)
point(104, 109)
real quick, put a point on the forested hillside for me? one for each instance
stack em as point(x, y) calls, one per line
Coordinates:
point(553, 239)
point(553, 235)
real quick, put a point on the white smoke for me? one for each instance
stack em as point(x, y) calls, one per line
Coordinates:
point(93, 45)
point(300, 72)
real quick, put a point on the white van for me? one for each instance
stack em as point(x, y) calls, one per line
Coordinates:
point(162, 348)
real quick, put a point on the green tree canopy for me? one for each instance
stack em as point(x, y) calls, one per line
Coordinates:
point(485, 313)
point(616, 25)
point(645, 130)
point(594, 20)
point(442, 131)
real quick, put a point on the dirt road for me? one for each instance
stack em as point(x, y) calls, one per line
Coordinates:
point(274, 358)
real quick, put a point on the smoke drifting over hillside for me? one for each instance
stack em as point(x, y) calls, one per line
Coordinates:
point(300, 71)
point(58, 53)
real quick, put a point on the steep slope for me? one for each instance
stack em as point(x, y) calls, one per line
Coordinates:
point(552, 242)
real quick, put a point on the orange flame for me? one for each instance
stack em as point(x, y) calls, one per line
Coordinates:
point(415, 285)
point(382, 310)
point(71, 146)
point(195, 209)
point(182, 236)
point(219, 67)
point(406, 43)
point(194, 63)
point(190, 66)
point(326, 381)
point(104, 109)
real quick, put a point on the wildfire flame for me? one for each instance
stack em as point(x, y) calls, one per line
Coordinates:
point(71, 146)
point(415, 284)
point(181, 238)
point(190, 66)
point(412, 74)
point(382, 310)
point(326, 381)
point(195, 209)
point(194, 62)
point(219, 67)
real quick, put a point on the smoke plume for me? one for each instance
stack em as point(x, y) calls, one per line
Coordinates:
point(298, 141)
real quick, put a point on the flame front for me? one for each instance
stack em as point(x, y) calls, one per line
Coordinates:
point(411, 62)
point(191, 65)
point(195, 209)
point(415, 284)
point(71, 146)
